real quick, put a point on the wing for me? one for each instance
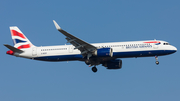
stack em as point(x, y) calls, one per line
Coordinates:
point(85, 48)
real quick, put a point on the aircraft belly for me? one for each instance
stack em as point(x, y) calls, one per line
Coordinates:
point(60, 57)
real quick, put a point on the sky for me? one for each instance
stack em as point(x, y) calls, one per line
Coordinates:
point(139, 79)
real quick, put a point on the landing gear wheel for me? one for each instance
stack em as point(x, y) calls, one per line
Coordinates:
point(94, 69)
point(157, 62)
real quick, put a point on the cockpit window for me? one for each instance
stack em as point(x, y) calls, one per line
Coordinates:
point(166, 43)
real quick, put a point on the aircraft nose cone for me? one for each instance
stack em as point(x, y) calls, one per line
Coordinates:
point(175, 48)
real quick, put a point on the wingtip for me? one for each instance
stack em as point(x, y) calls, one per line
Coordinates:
point(56, 25)
point(5, 44)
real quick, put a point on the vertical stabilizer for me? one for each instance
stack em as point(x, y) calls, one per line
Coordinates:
point(19, 39)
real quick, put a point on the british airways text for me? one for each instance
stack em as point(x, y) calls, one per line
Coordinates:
point(141, 46)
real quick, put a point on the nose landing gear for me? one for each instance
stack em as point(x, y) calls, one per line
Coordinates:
point(157, 62)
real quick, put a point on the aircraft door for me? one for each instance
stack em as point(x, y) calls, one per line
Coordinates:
point(34, 51)
point(155, 46)
point(71, 48)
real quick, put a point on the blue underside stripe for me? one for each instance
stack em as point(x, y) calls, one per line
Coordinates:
point(116, 55)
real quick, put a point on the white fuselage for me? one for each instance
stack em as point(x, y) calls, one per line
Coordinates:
point(120, 50)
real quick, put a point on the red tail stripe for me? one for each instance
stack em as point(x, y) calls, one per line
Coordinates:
point(152, 42)
point(10, 52)
point(15, 33)
point(24, 46)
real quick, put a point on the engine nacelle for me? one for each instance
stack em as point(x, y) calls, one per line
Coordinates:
point(113, 64)
point(103, 52)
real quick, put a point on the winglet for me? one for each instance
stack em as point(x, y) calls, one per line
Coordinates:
point(56, 25)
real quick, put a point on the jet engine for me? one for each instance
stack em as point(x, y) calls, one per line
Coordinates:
point(103, 52)
point(113, 64)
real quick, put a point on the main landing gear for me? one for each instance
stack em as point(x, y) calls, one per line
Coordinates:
point(90, 63)
point(157, 62)
point(94, 69)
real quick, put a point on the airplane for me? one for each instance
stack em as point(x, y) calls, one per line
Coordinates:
point(107, 54)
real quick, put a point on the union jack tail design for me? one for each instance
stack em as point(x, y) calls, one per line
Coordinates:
point(19, 39)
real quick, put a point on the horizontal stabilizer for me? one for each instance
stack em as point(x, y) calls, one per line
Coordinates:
point(13, 48)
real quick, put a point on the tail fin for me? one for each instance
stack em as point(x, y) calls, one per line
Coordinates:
point(19, 39)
